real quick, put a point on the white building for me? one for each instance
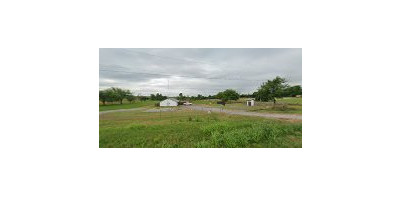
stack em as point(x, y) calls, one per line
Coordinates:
point(169, 102)
point(250, 102)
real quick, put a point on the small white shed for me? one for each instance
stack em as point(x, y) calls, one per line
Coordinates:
point(169, 102)
point(250, 102)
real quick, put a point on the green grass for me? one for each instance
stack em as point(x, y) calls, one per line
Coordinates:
point(290, 100)
point(186, 128)
point(126, 105)
point(278, 109)
point(263, 107)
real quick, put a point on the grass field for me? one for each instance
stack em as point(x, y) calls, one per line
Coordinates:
point(185, 128)
point(267, 108)
point(290, 100)
point(127, 105)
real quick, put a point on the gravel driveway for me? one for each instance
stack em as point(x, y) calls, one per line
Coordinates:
point(245, 113)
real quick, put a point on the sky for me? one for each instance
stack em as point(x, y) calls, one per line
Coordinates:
point(194, 71)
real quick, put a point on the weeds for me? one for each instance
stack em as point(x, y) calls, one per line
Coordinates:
point(225, 135)
point(136, 129)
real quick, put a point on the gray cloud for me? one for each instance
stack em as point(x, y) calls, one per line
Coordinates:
point(196, 71)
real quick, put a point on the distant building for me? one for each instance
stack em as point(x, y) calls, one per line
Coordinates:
point(250, 102)
point(169, 102)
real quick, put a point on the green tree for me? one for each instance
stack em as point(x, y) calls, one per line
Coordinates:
point(103, 96)
point(113, 94)
point(272, 89)
point(199, 97)
point(106, 95)
point(228, 94)
point(293, 91)
point(130, 97)
point(158, 97)
point(119, 94)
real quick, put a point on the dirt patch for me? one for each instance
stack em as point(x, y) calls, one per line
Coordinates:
point(162, 110)
point(245, 113)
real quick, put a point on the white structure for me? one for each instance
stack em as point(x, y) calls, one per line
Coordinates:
point(187, 103)
point(169, 102)
point(250, 102)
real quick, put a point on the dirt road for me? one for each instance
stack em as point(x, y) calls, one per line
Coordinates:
point(245, 113)
point(214, 109)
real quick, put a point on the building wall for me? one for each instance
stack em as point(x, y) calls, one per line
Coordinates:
point(168, 102)
point(250, 103)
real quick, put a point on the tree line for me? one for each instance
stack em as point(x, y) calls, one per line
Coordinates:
point(115, 95)
point(268, 91)
point(276, 88)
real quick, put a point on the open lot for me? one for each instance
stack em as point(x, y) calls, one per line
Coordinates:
point(141, 124)
point(287, 105)
point(247, 113)
point(188, 128)
point(126, 105)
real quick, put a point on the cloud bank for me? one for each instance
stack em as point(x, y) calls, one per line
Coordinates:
point(195, 71)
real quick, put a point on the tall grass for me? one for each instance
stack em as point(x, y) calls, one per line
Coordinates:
point(232, 136)
point(195, 129)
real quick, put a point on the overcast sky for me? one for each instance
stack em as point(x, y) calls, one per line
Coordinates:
point(196, 71)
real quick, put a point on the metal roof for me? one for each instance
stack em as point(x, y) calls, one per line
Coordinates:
point(172, 99)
